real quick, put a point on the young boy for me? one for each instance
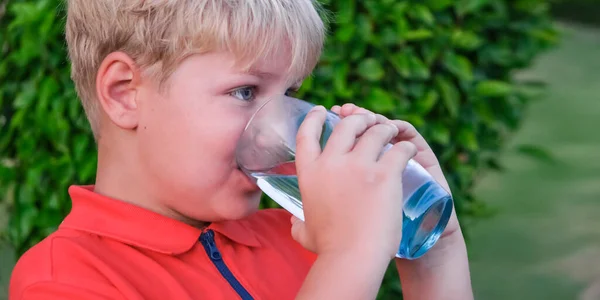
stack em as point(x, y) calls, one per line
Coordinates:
point(168, 86)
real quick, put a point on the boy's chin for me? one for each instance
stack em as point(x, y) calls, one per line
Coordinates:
point(241, 208)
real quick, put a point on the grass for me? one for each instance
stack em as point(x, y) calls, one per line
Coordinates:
point(544, 242)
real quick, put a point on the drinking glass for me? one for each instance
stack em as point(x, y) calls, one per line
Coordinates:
point(266, 152)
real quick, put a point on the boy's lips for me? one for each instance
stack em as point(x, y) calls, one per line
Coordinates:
point(248, 182)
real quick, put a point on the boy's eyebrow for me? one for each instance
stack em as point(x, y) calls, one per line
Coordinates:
point(260, 74)
point(295, 82)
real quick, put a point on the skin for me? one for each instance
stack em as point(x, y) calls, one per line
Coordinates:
point(161, 143)
point(443, 272)
point(156, 146)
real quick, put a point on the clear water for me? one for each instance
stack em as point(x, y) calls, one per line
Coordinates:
point(425, 214)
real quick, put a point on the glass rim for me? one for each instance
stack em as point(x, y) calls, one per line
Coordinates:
point(260, 108)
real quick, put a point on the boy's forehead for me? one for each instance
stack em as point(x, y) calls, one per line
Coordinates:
point(273, 67)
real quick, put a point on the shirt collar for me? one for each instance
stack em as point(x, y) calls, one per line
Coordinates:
point(136, 226)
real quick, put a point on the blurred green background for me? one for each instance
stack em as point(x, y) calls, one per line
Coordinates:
point(504, 90)
point(544, 240)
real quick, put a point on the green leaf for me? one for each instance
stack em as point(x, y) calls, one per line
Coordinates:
point(401, 63)
point(485, 112)
point(358, 51)
point(340, 80)
point(46, 27)
point(48, 90)
point(465, 40)
point(307, 85)
point(402, 27)
point(381, 101)
point(389, 37)
point(53, 202)
point(536, 152)
point(7, 172)
point(450, 95)
point(87, 172)
point(345, 32)
point(459, 66)
point(466, 138)
point(493, 88)
point(80, 145)
point(464, 7)
point(26, 96)
point(417, 34)
point(398, 9)
point(28, 215)
point(416, 120)
point(422, 13)
point(415, 89)
point(364, 27)
point(375, 9)
point(419, 70)
point(437, 5)
point(439, 133)
point(427, 102)
point(430, 53)
point(345, 11)
point(325, 72)
point(549, 36)
point(371, 70)
point(499, 54)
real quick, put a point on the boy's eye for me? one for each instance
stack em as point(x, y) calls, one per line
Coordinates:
point(244, 93)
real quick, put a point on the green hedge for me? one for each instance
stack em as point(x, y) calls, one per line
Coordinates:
point(446, 66)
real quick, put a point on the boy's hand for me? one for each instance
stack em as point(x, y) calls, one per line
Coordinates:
point(443, 272)
point(425, 156)
point(351, 196)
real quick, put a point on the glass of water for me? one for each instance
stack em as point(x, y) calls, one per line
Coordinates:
point(266, 152)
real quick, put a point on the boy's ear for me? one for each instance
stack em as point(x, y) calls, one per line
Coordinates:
point(116, 86)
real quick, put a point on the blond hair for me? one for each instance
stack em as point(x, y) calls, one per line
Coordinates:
point(159, 34)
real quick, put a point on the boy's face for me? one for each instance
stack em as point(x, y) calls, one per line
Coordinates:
point(187, 134)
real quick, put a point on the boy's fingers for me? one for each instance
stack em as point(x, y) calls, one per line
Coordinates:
point(382, 119)
point(336, 109)
point(294, 220)
point(299, 233)
point(425, 156)
point(407, 132)
point(399, 155)
point(372, 142)
point(308, 148)
point(343, 137)
point(348, 109)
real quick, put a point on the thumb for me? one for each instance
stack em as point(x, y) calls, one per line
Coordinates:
point(300, 234)
point(308, 148)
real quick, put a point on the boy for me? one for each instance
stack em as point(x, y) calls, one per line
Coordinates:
point(168, 86)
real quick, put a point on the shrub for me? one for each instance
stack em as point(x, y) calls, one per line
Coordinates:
point(446, 66)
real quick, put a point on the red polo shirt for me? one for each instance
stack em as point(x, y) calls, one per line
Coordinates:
point(109, 249)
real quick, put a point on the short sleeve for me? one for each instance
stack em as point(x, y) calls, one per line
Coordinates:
point(59, 291)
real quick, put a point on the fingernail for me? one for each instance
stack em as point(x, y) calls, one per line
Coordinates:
point(394, 128)
point(372, 117)
point(318, 108)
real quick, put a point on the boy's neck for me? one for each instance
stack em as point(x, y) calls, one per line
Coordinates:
point(120, 176)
